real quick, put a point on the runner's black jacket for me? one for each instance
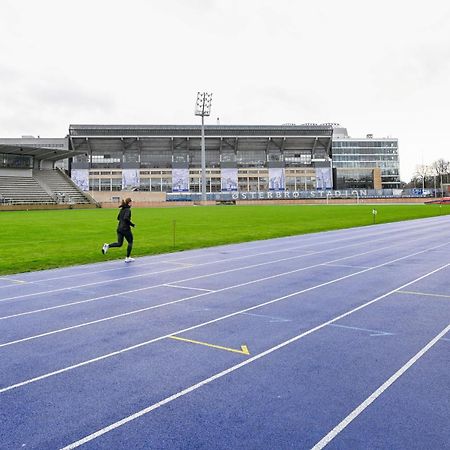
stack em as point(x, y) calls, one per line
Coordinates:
point(124, 219)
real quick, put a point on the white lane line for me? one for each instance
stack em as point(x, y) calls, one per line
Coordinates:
point(88, 272)
point(373, 332)
point(200, 265)
point(192, 278)
point(129, 313)
point(424, 294)
point(272, 318)
point(52, 291)
point(14, 280)
point(347, 265)
point(279, 250)
point(194, 387)
point(49, 333)
point(187, 287)
point(181, 263)
point(227, 316)
point(117, 294)
point(246, 256)
point(369, 400)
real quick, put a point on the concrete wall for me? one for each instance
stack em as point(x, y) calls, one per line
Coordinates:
point(16, 173)
point(377, 178)
point(46, 164)
point(115, 197)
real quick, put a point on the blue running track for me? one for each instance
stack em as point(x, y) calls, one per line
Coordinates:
point(337, 339)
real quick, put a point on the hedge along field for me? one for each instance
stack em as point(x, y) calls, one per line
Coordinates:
point(36, 240)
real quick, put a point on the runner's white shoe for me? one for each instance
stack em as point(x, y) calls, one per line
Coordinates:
point(129, 259)
point(105, 248)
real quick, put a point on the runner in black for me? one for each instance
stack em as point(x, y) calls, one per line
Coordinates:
point(123, 229)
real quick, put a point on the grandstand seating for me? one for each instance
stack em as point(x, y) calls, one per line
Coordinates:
point(60, 186)
point(44, 187)
point(22, 190)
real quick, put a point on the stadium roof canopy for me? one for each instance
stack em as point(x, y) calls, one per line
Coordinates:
point(186, 138)
point(195, 130)
point(50, 154)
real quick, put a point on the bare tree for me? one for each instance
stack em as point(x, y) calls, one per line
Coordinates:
point(441, 168)
point(423, 172)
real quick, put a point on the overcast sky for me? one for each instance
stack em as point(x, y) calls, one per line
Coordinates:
point(374, 67)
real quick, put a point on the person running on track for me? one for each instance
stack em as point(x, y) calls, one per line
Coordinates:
point(123, 229)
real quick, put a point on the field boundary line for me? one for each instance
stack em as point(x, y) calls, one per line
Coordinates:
point(117, 294)
point(350, 238)
point(26, 296)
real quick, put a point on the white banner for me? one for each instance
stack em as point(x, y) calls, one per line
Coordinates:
point(324, 178)
point(229, 179)
point(180, 180)
point(276, 179)
point(81, 178)
point(130, 179)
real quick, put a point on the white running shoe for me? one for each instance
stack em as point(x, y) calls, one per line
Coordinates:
point(105, 248)
point(129, 259)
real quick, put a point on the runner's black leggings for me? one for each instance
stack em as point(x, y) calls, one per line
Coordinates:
point(128, 236)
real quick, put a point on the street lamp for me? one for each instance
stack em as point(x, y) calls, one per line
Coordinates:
point(203, 108)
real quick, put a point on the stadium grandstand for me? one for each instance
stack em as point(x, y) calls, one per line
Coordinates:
point(162, 159)
point(250, 161)
point(29, 175)
point(99, 163)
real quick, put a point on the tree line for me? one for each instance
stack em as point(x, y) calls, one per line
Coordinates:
point(432, 176)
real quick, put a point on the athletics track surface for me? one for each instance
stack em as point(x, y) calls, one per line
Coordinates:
point(338, 339)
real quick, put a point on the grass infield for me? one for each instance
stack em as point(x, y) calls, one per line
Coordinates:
point(36, 240)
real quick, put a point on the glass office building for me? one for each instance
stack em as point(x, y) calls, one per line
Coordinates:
point(371, 163)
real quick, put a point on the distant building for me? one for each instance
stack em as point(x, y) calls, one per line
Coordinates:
point(151, 159)
point(369, 162)
point(30, 152)
point(167, 158)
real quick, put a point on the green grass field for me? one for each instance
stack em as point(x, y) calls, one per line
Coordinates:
point(35, 240)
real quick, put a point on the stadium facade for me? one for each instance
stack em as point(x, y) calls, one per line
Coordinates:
point(168, 158)
point(245, 158)
point(163, 160)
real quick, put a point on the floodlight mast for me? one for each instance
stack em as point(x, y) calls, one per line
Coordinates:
point(203, 108)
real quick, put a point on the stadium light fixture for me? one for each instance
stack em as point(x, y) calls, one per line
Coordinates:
point(203, 108)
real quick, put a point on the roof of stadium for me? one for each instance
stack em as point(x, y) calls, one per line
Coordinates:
point(182, 138)
point(41, 152)
point(194, 130)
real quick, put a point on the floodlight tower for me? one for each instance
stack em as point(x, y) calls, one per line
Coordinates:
point(203, 108)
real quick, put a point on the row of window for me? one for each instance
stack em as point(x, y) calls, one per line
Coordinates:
point(367, 144)
point(365, 151)
point(363, 158)
point(210, 172)
point(366, 165)
point(213, 184)
point(15, 161)
point(301, 159)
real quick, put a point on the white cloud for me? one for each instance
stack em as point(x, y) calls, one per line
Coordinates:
point(379, 67)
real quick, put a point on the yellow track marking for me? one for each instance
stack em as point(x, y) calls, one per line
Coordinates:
point(243, 351)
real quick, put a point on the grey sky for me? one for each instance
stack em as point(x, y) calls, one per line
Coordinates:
point(375, 67)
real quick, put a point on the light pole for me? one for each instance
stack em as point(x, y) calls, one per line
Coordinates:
point(203, 108)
